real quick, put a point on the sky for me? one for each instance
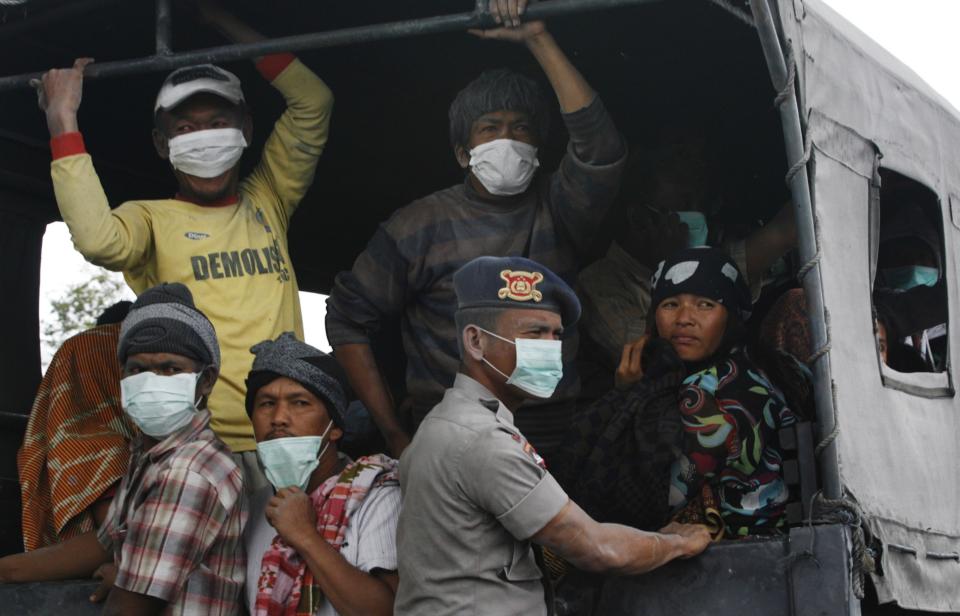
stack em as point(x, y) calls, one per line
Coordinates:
point(921, 33)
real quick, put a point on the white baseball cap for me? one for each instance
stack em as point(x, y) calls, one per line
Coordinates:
point(183, 83)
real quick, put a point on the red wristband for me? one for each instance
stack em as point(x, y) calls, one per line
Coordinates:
point(271, 66)
point(67, 144)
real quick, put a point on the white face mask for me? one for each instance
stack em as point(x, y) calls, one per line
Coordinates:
point(539, 365)
point(207, 153)
point(504, 166)
point(160, 405)
point(291, 460)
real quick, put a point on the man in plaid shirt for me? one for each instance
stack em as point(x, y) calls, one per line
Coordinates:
point(176, 523)
point(174, 529)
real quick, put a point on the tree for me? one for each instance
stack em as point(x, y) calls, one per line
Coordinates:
point(80, 305)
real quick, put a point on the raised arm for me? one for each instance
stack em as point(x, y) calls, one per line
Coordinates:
point(227, 23)
point(593, 137)
point(767, 244)
point(59, 94)
point(113, 241)
point(572, 90)
point(616, 549)
point(585, 185)
point(290, 154)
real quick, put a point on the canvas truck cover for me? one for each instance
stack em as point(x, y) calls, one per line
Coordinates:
point(898, 449)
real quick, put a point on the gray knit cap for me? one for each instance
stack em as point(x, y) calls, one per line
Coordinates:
point(164, 319)
point(319, 372)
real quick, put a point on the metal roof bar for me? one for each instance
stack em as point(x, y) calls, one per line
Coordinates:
point(347, 36)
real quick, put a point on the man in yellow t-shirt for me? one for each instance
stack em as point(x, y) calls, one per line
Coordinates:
point(222, 236)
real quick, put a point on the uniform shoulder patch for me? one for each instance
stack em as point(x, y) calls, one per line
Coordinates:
point(521, 286)
point(529, 450)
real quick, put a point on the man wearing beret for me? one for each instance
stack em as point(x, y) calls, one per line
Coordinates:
point(325, 543)
point(174, 528)
point(504, 206)
point(476, 494)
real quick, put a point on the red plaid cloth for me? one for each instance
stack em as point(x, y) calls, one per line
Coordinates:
point(175, 526)
point(285, 580)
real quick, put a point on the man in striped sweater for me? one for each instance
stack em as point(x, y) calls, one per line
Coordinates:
point(504, 207)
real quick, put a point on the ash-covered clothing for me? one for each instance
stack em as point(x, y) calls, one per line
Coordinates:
point(175, 526)
point(369, 533)
point(408, 265)
point(474, 492)
point(233, 257)
point(619, 452)
point(77, 443)
point(615, 293)
point(731, 417)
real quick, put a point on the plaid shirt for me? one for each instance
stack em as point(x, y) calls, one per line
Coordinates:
point(175, 526)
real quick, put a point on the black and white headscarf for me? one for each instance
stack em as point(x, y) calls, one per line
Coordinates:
point(704, 271)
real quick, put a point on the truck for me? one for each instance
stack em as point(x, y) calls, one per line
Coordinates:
point(799, 104)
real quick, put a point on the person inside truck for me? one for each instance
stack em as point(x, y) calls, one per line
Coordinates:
point(222, 236)
point(76, 445)
point(322, 537)
point(506, 205)
point(665, 204)
point(731, 412)
point(882, 339)
point(173, 531)
point(477, 497)
point(895, 348)
point(909, 281)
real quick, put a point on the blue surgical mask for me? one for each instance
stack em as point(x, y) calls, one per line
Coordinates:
point(291, 460)
point(539, 365)
point(159, 405)
point(696, 228)
point(910, 276)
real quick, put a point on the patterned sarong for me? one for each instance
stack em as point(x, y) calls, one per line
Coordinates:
point(286, 586)
point(76, 443)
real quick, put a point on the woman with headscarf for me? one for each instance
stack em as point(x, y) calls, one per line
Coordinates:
point(731, 412)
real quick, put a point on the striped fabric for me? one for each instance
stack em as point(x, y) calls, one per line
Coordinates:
point(407, 268)
point(76, 444)
point(175, 526)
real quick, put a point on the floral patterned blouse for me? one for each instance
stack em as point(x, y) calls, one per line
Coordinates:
point(731, 418)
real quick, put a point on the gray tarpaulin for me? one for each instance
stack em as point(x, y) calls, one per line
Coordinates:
point(899, 440)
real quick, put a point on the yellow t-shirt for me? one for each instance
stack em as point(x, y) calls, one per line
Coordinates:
point(233, 258)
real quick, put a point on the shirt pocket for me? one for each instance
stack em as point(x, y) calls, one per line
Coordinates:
point(523, 565)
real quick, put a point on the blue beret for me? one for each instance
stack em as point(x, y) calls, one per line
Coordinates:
point(514, 282)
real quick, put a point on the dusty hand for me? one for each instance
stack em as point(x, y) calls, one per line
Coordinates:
point(507, 13)
point(59, 92)
point(630, 370)
point(106, 573)
point(696, 537)
point(292, 514)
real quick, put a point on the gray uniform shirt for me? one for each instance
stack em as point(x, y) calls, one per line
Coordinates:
point(474, 492)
